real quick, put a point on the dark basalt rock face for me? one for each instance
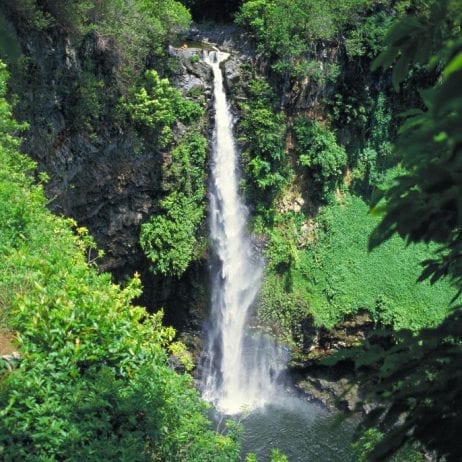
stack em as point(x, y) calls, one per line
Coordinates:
point(98, 175)
point(340, 386)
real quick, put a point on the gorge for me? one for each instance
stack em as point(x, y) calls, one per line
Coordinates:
point(147, 147)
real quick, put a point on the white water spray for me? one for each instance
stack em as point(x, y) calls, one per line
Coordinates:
point(239, 367)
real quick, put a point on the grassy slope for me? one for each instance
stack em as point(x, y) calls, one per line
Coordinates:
point(336, 276)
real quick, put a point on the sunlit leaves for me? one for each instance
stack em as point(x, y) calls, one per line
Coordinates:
point(170, 237)
point(157, 105)
point(262, 132)
point(288, 30)
point(317, 149)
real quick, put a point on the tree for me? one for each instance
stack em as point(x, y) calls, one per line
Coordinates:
point(418, 383)
point(426, 203)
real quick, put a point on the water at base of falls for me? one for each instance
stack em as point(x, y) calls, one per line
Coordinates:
point(302, 430)
point(239, 367)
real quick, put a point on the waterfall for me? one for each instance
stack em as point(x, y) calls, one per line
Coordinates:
point(240, 366)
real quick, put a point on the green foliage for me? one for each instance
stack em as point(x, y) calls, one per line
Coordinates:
point(349, 110)
point(287, 30)
point(157, 106)
point(333, 275)
point(366, 443)
point(262, 130)
point(416, 392)
point(8, 126)
point(278, 456)
point(372, 162)
point(30, 13)
point(93, 382)
point(137, 32)
point(133, 31)
point(87, 107)
point(366, 38)
point(424, 204)
point(418, 379)
point(343, 277)
point(281, 251)
point(195, 58)
point(156, 18)
point(170, 237)
point(317, 149)
point(282, 26)
point(283, 306)
point(251, 458)
point(418, 39)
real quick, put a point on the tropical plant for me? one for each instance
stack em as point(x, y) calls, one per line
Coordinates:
point(262, 132)
point(317, 149)
point(157, 106)
point(170, 238)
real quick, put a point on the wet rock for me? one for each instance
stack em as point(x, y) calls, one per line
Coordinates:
point(338, 386)
point(232, 72)
point(193, 74)
point(331, 388)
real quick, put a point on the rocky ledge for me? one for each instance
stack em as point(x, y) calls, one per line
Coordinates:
point(339, 386)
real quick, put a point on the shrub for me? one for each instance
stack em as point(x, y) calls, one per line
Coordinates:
point(262, 131)
point(170, 237)
point(157, 105)
point(318, 150)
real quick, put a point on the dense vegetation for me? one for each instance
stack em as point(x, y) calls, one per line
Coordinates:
point(423, 205)
point(262, 132)
point(137, 28)
point(169, 237)
point(327, 136)
point(339, 155)
point(334, 275)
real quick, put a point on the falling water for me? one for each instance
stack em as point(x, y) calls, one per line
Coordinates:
point(240, 366)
